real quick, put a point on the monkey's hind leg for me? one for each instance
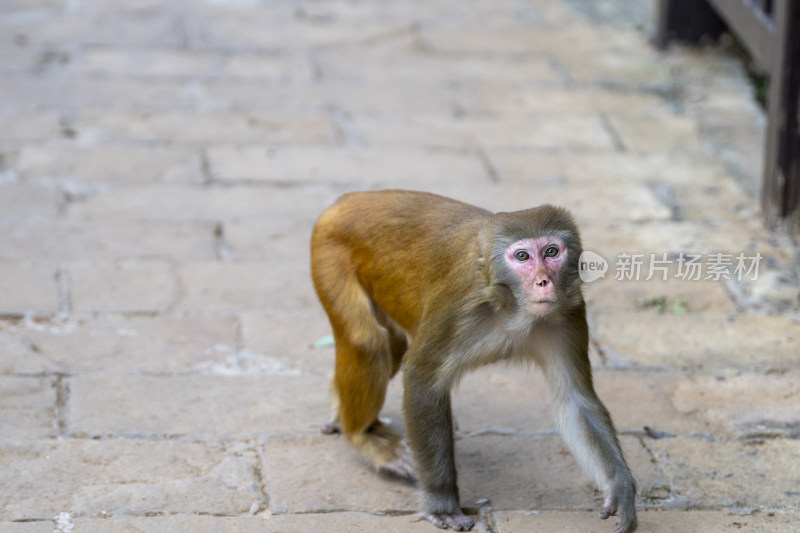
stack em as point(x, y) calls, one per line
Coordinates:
point(360, 382)
point(367, 356)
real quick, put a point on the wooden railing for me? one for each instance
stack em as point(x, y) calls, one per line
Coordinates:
point(770, 30)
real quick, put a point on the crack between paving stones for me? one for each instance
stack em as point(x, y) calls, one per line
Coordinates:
point(258, 470)
point(61, 408)
point(616, 138)
point(488, 166)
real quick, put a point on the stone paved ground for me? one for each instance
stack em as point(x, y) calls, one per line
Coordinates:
point(161, 166)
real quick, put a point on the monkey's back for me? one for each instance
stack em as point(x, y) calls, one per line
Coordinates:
point(391, 241)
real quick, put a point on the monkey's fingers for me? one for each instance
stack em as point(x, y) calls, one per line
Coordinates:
point(456, 522)
point(610, 509)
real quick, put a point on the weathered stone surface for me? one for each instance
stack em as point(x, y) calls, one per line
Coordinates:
point(232, 399)
point(655, 296)
point(123, 285)
point(198, 64)
point(655, 521)
point(707, 341)
point(173, 524)
point(93, 126)
point(28, 201)
point(20, 357)
point(590, 203)
point(176, 203)
point(349, 521)
point(322, 473)
point(27, 527)
point(279, 239)
point(344, 165)
point(486, 96)
point(533, 472)
point(284, 523)
point(512, 401)
point(120, 477)
point(362, 65)
point(655, 131)
point(744, 404)
point(731, 474)
point(296, 338)
point(29, 126)
point(27, 407)
point(28, 288)
point(112, 344)
point(571, 131)
point(233, 287)
point(79, 240)
point(129, 164)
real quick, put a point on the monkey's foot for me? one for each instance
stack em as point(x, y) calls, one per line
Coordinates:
point(456, 522)
point(402, 467)
point(331, 427)
point(626, 521)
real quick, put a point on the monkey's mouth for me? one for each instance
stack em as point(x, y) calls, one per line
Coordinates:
point(541, 305)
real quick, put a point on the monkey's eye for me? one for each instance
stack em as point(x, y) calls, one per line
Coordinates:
point(522, 255)
point(551, 251)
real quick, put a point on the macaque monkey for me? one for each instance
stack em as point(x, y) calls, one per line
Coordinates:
point(440, 287)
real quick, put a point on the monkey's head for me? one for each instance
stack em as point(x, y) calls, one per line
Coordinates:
point(535, 254)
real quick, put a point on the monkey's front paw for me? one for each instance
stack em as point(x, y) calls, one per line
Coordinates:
point(456, 522)
point(626, 517)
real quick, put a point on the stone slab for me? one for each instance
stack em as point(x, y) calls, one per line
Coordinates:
point(29, 287)
point(514, 401)
point(747, 475)
point(71, 240)
point(278, 523)
point(322, 473)
point(113, 344)
point(655, 296)
point(228, 401)
point(23, 200)
point(207, 127)
point(573, 131)
point(27, 527)
point(122, 477)
point(276, 240)
point(708, 341)
point(20, 357)
point(123, 285)
point(175, 203)
point(172, 524)
point(655, 521)
point(127, 164)
point(27, 407)
point(291, 337)
point(249, 286)
point(344, 165)
point(367, 65)
point(744, 404)
point(535, 472)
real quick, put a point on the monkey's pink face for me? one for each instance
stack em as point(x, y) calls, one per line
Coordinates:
point(537, 262)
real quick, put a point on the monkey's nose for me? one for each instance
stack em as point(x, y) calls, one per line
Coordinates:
point(543, 282)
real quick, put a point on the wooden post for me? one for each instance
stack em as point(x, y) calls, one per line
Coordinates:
point(686, 20)
point(781, 186)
